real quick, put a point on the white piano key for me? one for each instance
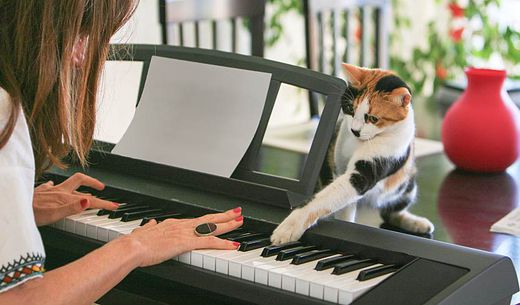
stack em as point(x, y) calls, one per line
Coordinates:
point(60, 224)
point(318, 284)
point(294, 271)
point(251, 269)
point(103, 231)
point(70, 221)
point(248, 272)
point(221, 266)
point(131, 225)
point(276, 275)
point(331, 287)
point(80, 227)
point(92, 227)
point(289, 277)
point(209, 257)
point(185, 258)
point(196, 259)
point(113, 235)
point(235, 261)
point(100, 231)
point(221, 259)
point(348, 294)
point(207, 262)
point(262, 270)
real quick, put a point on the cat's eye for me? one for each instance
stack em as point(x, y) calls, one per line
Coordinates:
point(370, 118)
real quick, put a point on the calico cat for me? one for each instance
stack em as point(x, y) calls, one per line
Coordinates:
point(371, 157)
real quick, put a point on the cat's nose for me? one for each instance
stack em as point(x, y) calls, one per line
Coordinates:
point(355, 132)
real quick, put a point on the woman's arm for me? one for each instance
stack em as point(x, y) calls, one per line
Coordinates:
point(87, 279)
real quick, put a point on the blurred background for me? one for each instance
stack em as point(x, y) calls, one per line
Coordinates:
point(428, 42)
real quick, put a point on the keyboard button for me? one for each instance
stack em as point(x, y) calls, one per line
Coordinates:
point(129, 216)
point(119, 212)
point(331, 262)
point(352, 265)
point(247, 236)
point(254, 244)
point(163, 217)
point(376, 271)
point(290, 253)
point(275, 249)
point(121, 206)
point(311, 256)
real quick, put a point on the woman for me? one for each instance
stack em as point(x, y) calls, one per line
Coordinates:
point(51, 56)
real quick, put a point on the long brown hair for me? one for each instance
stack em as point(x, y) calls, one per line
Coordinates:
point(37, 69)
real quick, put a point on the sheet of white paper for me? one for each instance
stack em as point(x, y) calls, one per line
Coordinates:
point(509, 224)
point(196, 116)
point(117, 97)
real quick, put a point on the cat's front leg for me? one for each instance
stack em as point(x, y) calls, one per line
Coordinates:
point(335, 196)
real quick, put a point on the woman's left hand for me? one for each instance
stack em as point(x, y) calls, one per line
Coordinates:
point(54, 202)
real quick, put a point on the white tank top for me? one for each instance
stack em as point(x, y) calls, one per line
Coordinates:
point(21, 249)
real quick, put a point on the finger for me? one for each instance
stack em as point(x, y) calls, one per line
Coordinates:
point(79, 179)
point(212, 242)
point(45, 186)
point(231, 225)
point(81, 193)
point(97, 203)
point(220, 217)
point(147, 225)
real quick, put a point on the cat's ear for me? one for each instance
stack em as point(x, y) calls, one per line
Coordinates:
point(401, 96)
point(355, 75)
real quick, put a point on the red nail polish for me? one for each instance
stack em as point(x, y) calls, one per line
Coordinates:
point(239, 218)
point(237, 210)
point(84, 203)
point(115, 204)
point(236, 244)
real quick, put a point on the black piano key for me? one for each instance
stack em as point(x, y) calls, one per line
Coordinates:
point(103, 212)
point(162, 217)
point(376, 271)
point(310, 256)
point(121, 206)
point(236, 232)
point(352, 265)
point(130, 216)
point(332, 261)
point(275, 249)
point(290, 253)
point(119, 212)
point(254, 244)
point(247, 236)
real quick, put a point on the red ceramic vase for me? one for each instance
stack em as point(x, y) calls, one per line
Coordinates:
point(481, 130)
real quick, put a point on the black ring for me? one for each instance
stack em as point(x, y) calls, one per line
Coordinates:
point(205, 229)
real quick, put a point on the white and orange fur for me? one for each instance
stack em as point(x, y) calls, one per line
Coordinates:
point(372, 158)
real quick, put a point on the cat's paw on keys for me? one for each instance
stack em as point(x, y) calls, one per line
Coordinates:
point(412, 223)
point(291, 229)
point(418, 225)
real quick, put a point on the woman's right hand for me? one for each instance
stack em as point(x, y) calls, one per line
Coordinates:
point(172, 237)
